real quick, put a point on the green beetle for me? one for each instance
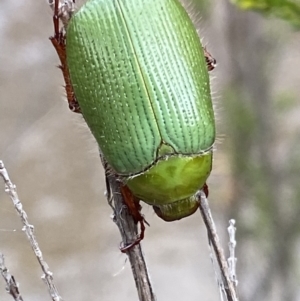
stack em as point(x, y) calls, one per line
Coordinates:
point(140, 77)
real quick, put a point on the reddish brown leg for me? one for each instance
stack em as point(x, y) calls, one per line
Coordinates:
point(210, 61)
point(205, 189)
point(134, 208)
point(59, 43)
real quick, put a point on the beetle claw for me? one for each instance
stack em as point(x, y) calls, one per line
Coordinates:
point(210, 60)
point(205, 190)
point(138, 240)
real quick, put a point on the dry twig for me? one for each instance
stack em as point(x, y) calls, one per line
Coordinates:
point(232, 259)
point(47, 276)
point(128, 230)
point(226, 284)
point(66, 9)
point(11, 285)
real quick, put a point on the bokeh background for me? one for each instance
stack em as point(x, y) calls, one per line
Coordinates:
point(53, 159)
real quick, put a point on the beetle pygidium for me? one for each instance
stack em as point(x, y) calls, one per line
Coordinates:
point(140, 77)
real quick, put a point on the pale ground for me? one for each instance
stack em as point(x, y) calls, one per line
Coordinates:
point(53, 160)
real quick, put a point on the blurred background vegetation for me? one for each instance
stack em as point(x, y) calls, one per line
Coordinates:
point(53, 160)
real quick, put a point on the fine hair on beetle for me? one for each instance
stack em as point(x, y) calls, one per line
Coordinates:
point(196, 18)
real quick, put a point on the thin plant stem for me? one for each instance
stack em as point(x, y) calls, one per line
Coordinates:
point(232, 259)
point(47, 276)
point(12, 286)
point(226, 283)
point(128, 231)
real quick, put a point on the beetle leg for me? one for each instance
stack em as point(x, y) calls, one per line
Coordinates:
point(210, 60)
point(205, 190)
point(137, 241)
point(134, 208)
point(59, 43)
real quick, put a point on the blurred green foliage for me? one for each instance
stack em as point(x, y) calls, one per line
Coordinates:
point(288, 10)
point(285, 101)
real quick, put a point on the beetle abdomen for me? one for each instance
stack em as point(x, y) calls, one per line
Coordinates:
point(139, 75)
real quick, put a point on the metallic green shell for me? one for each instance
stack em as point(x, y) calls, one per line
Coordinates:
point(167, 181)
point(139, 74)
